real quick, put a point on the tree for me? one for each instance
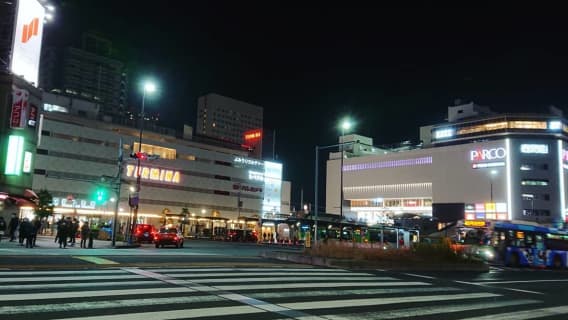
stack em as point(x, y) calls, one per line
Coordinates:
point(44, 204)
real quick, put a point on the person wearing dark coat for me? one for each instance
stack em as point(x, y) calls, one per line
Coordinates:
point(12, 227)
point(27, 232)
point(63, 231)
point(2, 227)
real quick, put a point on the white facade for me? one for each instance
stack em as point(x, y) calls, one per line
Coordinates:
point(75, 153)
point(509, 178)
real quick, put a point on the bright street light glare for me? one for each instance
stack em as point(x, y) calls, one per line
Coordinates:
point(493, 172)
point(48, 16)
point(149, 87)
point(50, 8)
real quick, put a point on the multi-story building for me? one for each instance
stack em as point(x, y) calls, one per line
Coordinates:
point(230, 120)
point(88, 75)
point(219, 187)
point(478, 166)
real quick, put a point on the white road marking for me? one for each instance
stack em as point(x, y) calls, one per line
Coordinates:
point(177, 314)
point(84, 278)
point(95, 260)
point(88, 305)
point(84, 294)
point(276, 279)
point(163, 270)
point(62, 272)
point(426, 311)
point(419, 276)
point(523, 281)
point(259, 274)
point(333, 304)
point(275, 286)
point(13, 287)
point(323, 293)
point(527, 314)
point(487, 284)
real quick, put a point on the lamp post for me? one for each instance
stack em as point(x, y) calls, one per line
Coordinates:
point(316, 179)
point(345, 125)
point(492, 174)
point(148, 87)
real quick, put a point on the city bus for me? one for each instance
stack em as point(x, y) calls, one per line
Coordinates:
point(524, 245)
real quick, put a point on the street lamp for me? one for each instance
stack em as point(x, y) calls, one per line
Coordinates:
point(148, 87)
point(345, 125)
point(492, 174)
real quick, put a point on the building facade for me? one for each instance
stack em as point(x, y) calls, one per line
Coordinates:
point(230, 120)
point(210, 186)
point(86, 75)
point(478, 167)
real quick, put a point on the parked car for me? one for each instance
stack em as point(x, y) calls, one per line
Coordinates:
point(144, 233)
point(168, 236)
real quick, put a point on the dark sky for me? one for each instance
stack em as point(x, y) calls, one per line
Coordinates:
point(392, 69)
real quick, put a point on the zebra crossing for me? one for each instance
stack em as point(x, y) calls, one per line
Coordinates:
point(250, 293)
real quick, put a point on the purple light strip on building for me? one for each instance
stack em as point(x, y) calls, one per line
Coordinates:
point(388, 164)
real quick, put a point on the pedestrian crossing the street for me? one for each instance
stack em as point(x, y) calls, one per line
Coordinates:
point(250, 293)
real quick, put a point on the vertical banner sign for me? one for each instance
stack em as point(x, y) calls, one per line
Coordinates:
point(26, 47)
point(19, 117)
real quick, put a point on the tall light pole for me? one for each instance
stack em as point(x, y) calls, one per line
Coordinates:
point(148, 87)
point(492, 174)
point(345, 125)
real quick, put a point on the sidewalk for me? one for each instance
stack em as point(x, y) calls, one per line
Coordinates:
point(48, 242)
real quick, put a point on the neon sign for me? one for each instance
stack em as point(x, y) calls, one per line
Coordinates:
point(253, 135)
point(488, 154)
point(155, 174)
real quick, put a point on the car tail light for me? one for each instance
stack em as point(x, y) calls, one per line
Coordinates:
point(175, 238)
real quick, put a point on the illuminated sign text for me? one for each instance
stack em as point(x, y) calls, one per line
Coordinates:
point(253, 135)
point(534, 148)
point(155, 174)
point(487, 154)
point(251, 162)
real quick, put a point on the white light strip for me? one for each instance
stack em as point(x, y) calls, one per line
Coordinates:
point(509, 194)
point(561, 179)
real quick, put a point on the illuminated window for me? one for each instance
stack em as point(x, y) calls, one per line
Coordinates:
point(163, 153)
point(483, 127)
point(528, 125)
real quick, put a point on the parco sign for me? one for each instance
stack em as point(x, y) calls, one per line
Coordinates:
point(487, 154)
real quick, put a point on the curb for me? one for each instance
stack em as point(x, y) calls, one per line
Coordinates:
point(358, 264)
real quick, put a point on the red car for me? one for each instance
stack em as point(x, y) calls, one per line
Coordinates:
point(144, 233)
point(168, 236)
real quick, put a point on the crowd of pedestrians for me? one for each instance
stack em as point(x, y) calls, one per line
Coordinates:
point(25, 231)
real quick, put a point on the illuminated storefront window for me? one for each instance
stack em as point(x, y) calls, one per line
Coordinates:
point(163, 153)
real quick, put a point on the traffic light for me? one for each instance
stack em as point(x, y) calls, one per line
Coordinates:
point(101, 195)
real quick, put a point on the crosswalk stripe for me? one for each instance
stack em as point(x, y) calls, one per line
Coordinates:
point(88, 305)
point(328, 304)
point(177, 314)
point(247, 269)
point(335, 293)
point(84, 294)
point(431, 310)
point(268, 273)
point(526, 314)
point(84, 278)
point(276, 279)
point(20, 287)
point(60, 272)
point(275, 286)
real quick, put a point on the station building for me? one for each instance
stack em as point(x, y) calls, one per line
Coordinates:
point(479, 166)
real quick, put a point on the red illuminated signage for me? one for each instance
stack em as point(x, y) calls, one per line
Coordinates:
point(253, 135)
point(19, 108)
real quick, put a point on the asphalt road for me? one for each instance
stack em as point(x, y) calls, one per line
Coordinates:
point(209, 280)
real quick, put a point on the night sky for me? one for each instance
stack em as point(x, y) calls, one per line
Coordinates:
point(392, 69)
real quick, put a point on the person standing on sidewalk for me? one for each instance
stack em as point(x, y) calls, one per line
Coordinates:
point(74, 230)
point(2, 227)
point(26, 232)
point(12, 227)
point(62, 231)
point(85, 230)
